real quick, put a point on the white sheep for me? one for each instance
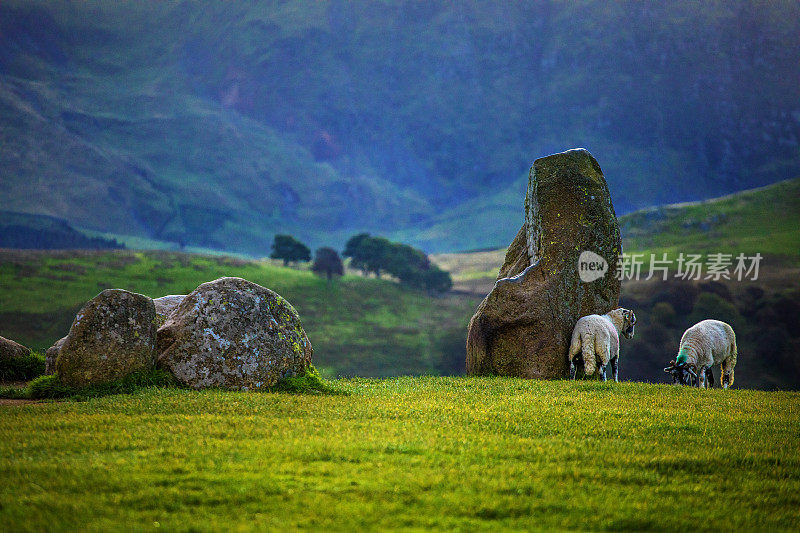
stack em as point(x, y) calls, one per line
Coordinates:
point(707, 343)
point(596, 337)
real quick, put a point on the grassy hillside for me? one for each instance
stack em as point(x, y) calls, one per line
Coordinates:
point(20, 230)
point(764, 220)
point(408, 453)
point(357, 326)
point(217, 125)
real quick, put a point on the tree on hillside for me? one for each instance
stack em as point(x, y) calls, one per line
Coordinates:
point(289, 249)
point(406, 263)
point(355, 250)
point(328, 262)
point(437, 280)
point(370, 254)
point(400, 258)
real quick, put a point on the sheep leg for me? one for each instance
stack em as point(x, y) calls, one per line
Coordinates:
point(615, 368)
point(727, 372)
point(710, 378)
point(572, 370)
point(701, 377)
point(603, 372)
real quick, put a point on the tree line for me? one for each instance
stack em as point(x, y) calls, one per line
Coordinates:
point(371, 255)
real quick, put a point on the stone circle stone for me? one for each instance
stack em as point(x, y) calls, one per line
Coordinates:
point(523, 327)
point(233, 334)
point(112, 336)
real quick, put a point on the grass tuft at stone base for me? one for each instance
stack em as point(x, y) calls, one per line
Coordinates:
point(50, 387)
point(308, 383)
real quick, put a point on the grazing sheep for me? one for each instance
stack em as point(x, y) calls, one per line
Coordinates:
point(597, 337)
point(703, 345)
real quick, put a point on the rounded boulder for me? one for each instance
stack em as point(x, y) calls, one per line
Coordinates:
point(112, 336)
point(233, 334)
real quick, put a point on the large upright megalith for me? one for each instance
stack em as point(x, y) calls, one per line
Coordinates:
point(523, 327)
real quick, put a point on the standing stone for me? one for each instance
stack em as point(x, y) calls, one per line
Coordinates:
point(523, 327)
point(112, 336)
point(233, 334)
point(166, 305)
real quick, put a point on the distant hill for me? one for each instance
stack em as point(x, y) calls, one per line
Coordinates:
point(218, 124)
point(764, 220)
point(24, 231)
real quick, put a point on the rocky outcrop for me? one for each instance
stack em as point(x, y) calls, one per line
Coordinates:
point(11, 350)
point(233, 334)
point(112, 336)
point(523, 327)
point(166, 305)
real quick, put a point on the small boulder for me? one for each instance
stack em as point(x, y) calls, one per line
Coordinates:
point(112, 336)
point(166, 305)
point(11, 350)
point(233, 334)
point(51, 355)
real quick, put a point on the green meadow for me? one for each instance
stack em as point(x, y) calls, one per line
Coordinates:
point(410, 453)
point(358, 326)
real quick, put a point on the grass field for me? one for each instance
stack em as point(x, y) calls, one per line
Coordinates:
point(411, 453)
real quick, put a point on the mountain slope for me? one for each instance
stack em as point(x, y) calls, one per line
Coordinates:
point(763, 220)
point(218, 124)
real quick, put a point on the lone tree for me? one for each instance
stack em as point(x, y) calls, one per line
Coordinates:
point(289, 249)
point(328, 262)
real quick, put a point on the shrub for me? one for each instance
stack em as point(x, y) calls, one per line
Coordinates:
point(663, 313)
point(22, 368)
point(51, 387)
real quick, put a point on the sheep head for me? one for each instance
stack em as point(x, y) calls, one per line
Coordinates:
point(629, 321)
point(682, 373)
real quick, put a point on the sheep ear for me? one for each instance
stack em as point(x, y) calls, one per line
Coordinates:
point(668, 370)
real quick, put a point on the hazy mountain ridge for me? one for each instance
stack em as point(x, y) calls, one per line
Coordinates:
point(220, 124)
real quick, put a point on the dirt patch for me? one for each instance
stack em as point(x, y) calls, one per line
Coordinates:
point(16, 384)
point(8, 401)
